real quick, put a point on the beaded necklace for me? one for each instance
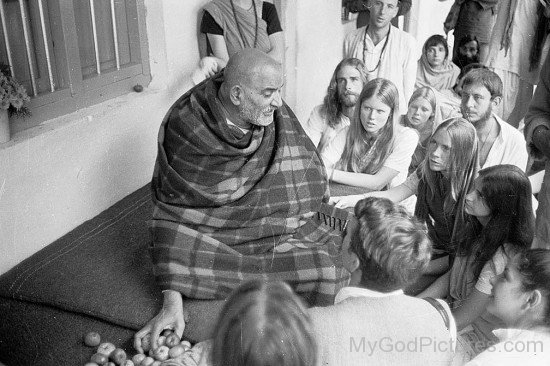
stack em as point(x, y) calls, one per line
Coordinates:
point(381, 53)
point(239, 25)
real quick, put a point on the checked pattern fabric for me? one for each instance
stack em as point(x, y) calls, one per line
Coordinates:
point(232, 206)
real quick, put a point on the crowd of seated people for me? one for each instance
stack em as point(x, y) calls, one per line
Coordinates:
point(439, 234)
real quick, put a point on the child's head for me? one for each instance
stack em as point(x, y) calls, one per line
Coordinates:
point(468, 51)
point(521, 294)
point(385, 248)
point(421, 109)
point(370, 136)
point(263, 324)
point(436, 50)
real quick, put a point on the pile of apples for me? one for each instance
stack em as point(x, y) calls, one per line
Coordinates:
point(169, 347)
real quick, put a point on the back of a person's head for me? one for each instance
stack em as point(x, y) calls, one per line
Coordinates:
point(486, 78)
point(263, 324)
point(247, 67)
point(392, 246)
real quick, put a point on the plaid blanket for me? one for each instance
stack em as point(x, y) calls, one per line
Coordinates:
point(231, 206)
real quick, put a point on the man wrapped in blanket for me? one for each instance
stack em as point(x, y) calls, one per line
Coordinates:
point(235, 186)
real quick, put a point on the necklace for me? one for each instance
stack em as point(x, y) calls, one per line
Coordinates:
point(235, 17)
point(381, 53)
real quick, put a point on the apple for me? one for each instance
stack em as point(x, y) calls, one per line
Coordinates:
point(176, 351)
point(161, 353)
point(90, 364)
point(111, 364)
point(146, 342)
point(99, 358)
point(161, 341)
point(147, 361)
point(166, 332)
point(106, 348)
point(138, 359)
point(92, 339)
point(138, 88)
point(118, 356)
point(156, 363)
point(128, 363)
point(186, 344)
point(172, 340)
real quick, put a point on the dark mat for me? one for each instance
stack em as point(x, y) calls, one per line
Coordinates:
point(101, 269)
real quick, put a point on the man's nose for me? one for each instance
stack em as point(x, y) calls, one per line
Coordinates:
point(277, 99)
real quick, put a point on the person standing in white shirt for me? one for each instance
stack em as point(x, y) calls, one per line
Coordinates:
point(387, 51)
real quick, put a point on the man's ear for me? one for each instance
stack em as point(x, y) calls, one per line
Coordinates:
point(534, 299)
point(496, 101)
point(236, 94)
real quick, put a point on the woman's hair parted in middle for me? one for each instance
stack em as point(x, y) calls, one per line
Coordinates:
point(462, 166)
point(506, 191)
point(264, 324)
point(392, 246)
point(364, 153)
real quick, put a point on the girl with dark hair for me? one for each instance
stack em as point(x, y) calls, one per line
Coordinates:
point(521, 298)
point(501, 224)
point(435, 68)
point(375, 151)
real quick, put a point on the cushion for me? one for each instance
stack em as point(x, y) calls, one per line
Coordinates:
point(101, 269)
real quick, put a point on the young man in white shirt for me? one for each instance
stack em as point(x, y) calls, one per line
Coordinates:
point(327, 119)
point(387, 51)
point(498, 142)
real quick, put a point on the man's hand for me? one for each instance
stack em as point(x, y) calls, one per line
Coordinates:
point(541, 140)
point(170, 317)
point(346, 201)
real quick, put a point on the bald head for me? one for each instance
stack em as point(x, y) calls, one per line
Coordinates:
point(251, 89)
point(248, 66)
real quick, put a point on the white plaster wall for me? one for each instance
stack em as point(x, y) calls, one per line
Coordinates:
point(316, 48)
point(67, 170)
point(426, 19)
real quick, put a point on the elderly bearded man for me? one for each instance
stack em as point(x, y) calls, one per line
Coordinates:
point(234, 187)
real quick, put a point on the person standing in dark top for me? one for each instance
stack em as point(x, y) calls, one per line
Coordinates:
point(232, 25)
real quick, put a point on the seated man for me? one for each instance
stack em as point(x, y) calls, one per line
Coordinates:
point(234, 187)
point(498, 142)
point(372, 321)
point(327, 119)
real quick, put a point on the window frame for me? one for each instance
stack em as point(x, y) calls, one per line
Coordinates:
point(84, 92)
